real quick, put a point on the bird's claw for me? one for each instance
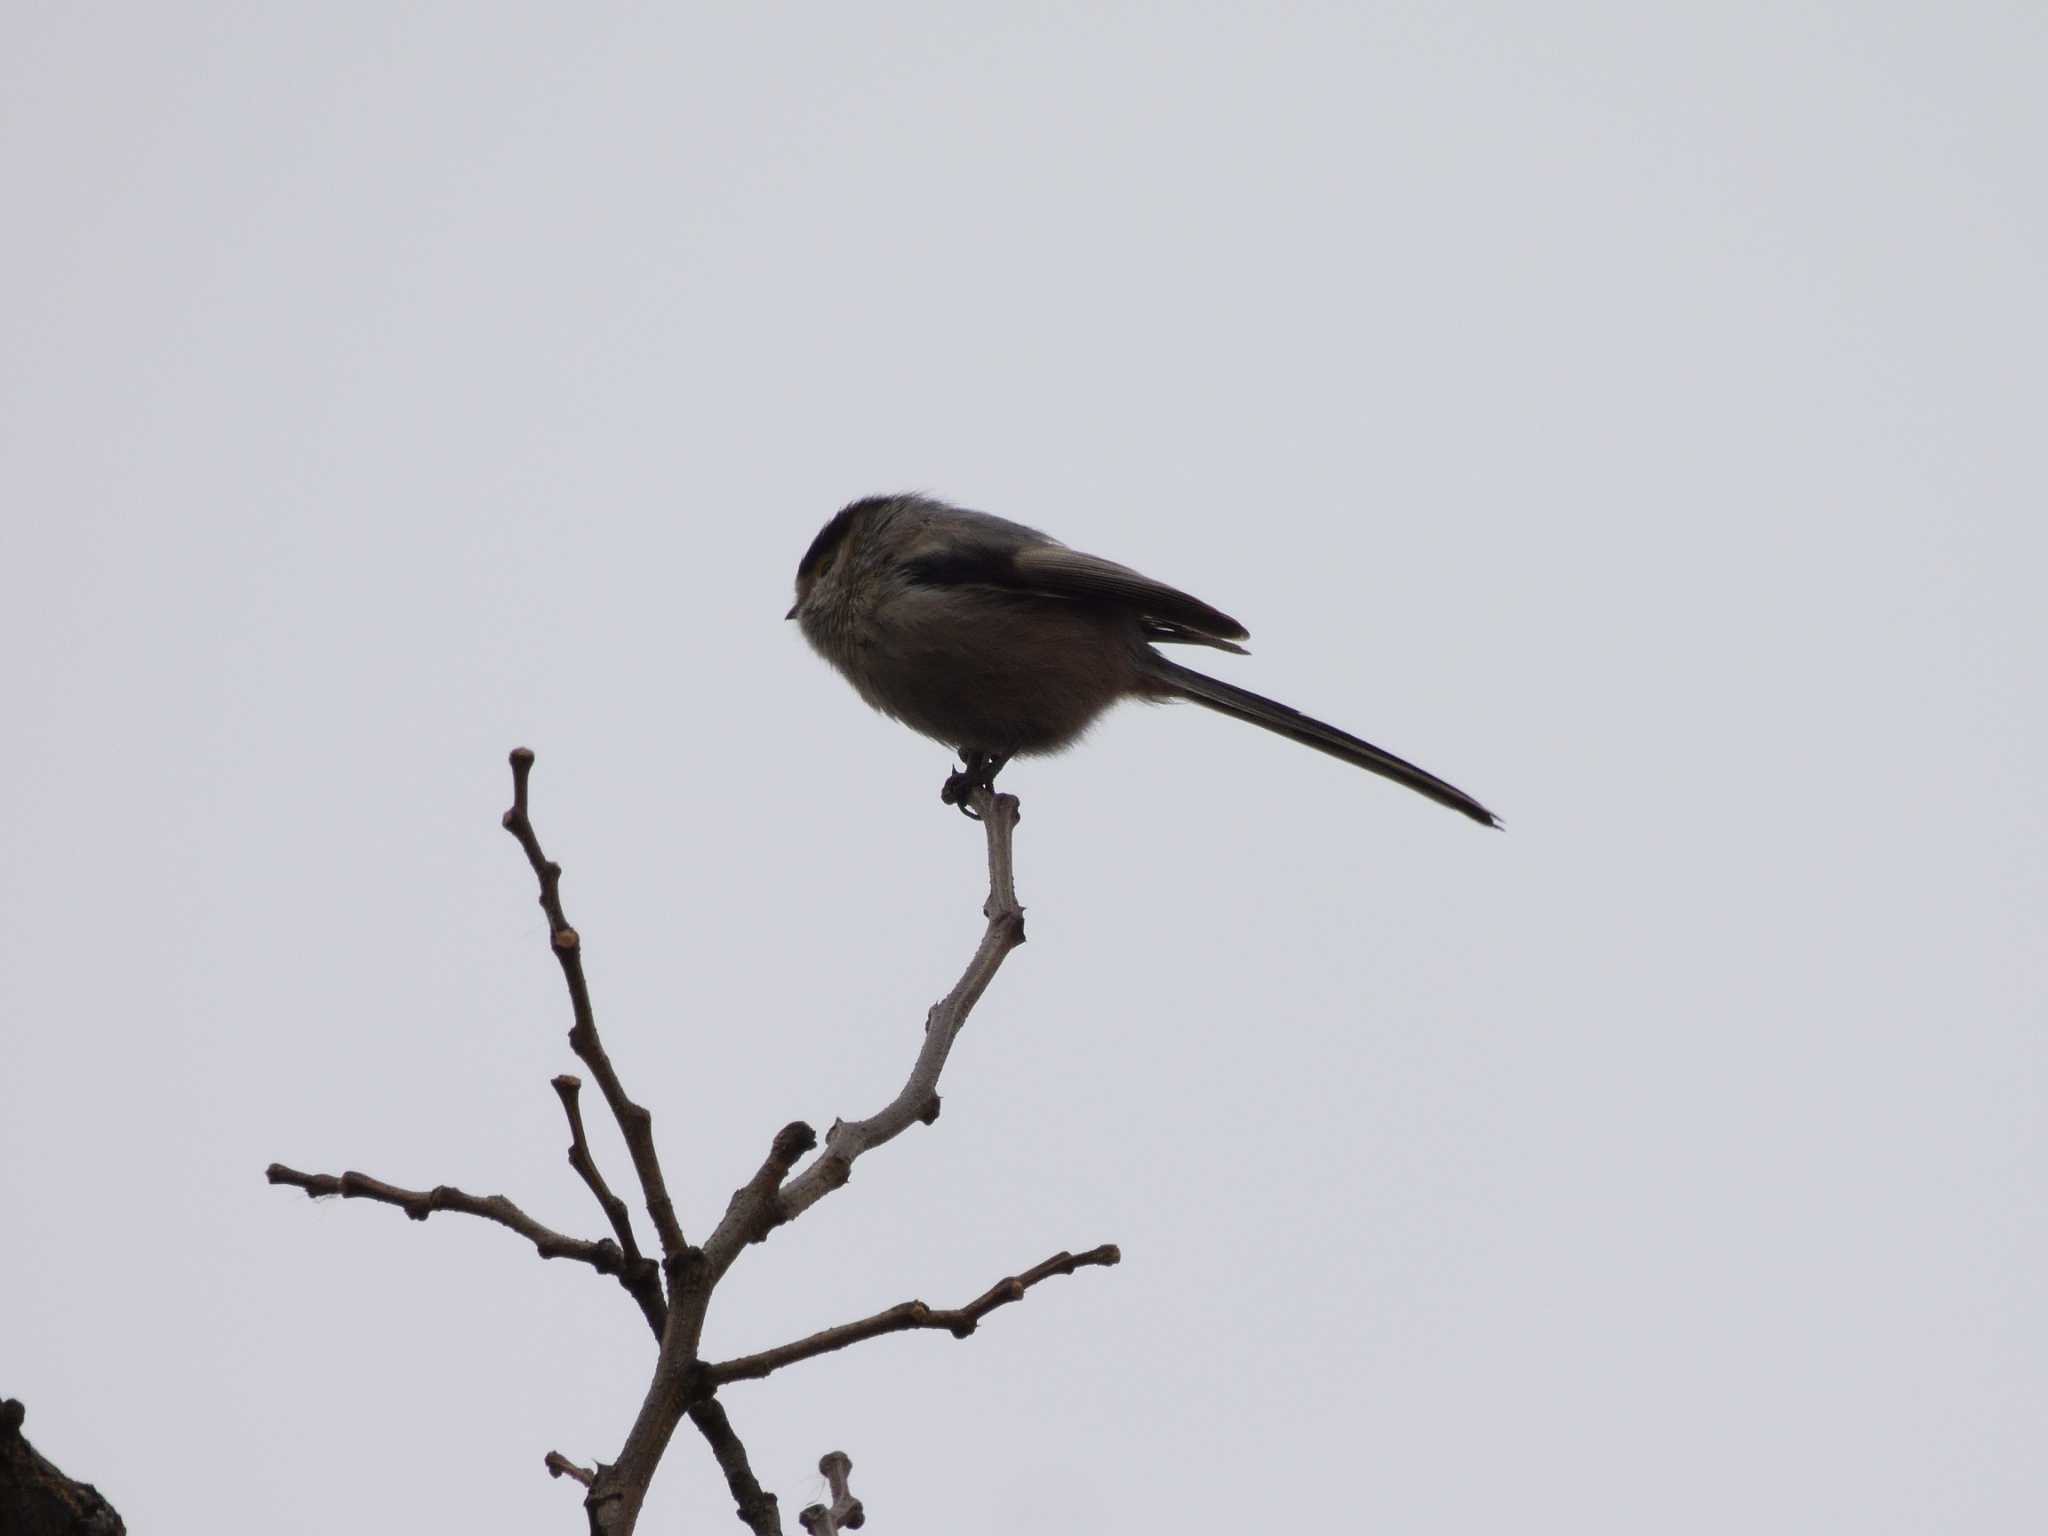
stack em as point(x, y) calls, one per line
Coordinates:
point(977, 771)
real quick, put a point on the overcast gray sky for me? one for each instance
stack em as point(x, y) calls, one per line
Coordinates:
point(1632, 413)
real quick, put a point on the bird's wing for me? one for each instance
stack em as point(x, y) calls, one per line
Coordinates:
point(972, 548)
point(1069, 573)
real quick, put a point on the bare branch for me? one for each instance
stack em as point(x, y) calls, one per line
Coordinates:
point(675, 1294)
point(559, 1465)
point(756, 1507)
point(635, 1122)
point(640, 1275)
point(751, 1217)
point(602, 1256)
point(569, 1089)
point(908, 1315)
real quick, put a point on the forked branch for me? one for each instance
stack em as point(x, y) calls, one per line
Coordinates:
point(674, 1295)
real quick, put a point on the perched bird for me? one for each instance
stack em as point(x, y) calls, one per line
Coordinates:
point(1000, 642)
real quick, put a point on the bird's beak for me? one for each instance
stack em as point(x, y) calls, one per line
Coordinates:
point(792, 610)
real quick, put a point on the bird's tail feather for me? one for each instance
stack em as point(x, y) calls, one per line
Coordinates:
point(1182, 682)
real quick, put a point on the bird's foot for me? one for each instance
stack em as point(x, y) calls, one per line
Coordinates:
point(977, 771)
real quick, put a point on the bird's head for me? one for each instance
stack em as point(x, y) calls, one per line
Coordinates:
point(829, 551)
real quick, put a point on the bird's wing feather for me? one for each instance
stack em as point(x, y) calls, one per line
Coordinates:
point(1068, 572)
point(972, 548)
point(1180, 634)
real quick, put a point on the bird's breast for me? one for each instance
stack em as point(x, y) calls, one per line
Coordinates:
point(1002, 672)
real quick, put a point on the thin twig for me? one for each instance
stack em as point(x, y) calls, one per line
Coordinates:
point(640, 1275)
point(559, 1465)
point(569, 1088)
point(635, 1123)
point(602, 1255)
point(908, 1315)
point(754, 1214)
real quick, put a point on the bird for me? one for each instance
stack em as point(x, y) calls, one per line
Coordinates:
point(999, 642)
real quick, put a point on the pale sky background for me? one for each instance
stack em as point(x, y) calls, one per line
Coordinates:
point(1633, 413)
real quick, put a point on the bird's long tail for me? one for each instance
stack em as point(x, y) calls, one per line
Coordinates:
point(1177, 681)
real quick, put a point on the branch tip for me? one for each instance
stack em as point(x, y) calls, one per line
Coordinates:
point(522, 765)
point(792, 1142)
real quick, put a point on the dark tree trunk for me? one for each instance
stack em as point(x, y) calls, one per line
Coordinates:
point(38, 1500)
